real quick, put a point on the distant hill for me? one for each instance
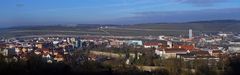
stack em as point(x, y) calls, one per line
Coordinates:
point(60, 27)
point(213, 25)
point(217, 21)
point(147, 29)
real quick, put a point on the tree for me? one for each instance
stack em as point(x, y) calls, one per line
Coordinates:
point(173, 65)
point(233, 65)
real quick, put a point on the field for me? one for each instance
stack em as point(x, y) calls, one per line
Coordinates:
point(150, 29)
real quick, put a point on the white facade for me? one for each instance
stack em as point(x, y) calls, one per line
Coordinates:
point(169, 43)
point(135, 42)
point(234, 43)
point(4, 52)
point(223, 34)
point(164, 54)
point(235, 46)
point(190, 34)
point(150, 46)
point(161, 37)
point(234, 49)
point(55, 42)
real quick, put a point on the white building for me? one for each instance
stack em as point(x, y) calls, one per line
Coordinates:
point(169, 43)
point(234, 46)
point(170, 53)
point(190, 33)
point(161, 37)
point(4, 52)
point(135, 42)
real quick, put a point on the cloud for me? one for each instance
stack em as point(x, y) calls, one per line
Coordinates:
point(201, 2)
point(183, 16)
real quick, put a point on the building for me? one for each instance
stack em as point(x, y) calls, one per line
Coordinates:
point(161, 37)
point(201, 55)
point(224, 34)
point(78, 43)
point(135, 42)
point(116, 43)
point(170, 44)
point(216, 53)
point(171, 53)
point(4, 51)
point(190, 34)
point(39, 45)
point(187, 47)
point(58, 58)
point(234, 46)
point(152, 45)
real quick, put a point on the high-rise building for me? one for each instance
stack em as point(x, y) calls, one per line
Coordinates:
point(190, 33)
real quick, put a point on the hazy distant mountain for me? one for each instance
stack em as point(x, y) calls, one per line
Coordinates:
point(212, 25)
point(217, 21)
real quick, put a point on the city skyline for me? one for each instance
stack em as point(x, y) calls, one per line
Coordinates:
point(46, 12)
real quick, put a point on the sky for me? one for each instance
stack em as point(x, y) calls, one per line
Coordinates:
point(50, 12)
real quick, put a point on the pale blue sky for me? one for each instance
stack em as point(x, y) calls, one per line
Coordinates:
point(44, 12)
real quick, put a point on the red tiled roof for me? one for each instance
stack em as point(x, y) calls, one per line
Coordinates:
point(200, 52)
point(2, 45)
point(187, 47)
point(175, 50)
point(217, 51)
point(59, 56)
point(45, 49)
point(45, 54)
